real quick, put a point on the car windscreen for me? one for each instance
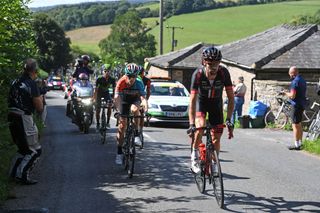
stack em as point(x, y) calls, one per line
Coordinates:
point(168, 91)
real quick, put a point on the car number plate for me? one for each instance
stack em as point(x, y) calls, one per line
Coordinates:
point(174, 114)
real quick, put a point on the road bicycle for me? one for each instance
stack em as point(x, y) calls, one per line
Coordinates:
point(128, 147)
point(314, 128)
point(279, 117)
point(210, 167)
point(103, 129)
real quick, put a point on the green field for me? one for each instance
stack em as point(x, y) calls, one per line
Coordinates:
point(217, 26)
point(225, 25)
point(151, 5)
point(88, 38)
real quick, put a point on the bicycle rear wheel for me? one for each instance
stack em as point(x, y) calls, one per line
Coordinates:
point(131, 157)
point(217, 179)
point(273, 120)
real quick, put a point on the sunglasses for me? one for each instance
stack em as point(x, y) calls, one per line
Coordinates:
point(131, 76)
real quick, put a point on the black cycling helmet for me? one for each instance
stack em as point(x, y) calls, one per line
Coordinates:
point(131, 69)
point(211, 54)
point(85, 57)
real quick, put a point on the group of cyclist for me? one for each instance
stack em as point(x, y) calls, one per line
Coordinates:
point(130, 95)
point(132, 91)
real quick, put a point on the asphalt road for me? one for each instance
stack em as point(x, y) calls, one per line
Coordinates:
point(78, 174)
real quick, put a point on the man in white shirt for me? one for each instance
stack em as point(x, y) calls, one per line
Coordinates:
point(239, 93)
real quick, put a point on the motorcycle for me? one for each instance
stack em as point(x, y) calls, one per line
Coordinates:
point(80, 107)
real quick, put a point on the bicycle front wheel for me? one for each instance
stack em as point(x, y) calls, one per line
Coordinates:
point(274, 119)
point(217, 179)
point(313, 132)
point(132, 155)
point(200, 179)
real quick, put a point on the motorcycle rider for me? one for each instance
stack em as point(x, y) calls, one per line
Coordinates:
point(82, 67)
point(83, 82)
point(103, 84)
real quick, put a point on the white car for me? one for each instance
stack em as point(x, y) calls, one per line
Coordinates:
point(168, 101)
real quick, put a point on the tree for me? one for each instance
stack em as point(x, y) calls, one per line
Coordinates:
point(54, 47)
point(128, 40)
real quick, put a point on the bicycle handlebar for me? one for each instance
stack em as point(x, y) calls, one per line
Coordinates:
point(193, 130)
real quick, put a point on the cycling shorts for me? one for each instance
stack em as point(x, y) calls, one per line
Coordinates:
point(214, 116)
point(106, 96)
point(126, 105)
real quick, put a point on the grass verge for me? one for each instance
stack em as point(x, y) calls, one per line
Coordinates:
point(312, 146)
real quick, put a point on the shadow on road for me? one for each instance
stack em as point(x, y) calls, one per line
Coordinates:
point(249, 202)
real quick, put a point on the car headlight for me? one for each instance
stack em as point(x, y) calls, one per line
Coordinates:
point(86, 101)
point(153, 106)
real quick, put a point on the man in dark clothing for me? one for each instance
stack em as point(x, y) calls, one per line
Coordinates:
point(297, 95)
point(82, 67)
point(24, 98)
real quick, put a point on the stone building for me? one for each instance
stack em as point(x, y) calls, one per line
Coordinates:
point(262, 59)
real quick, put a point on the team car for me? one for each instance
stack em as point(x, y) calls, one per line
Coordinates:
point(168, 101)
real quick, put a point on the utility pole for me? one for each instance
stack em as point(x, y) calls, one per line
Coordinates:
point(174, 42)
point(161, 27)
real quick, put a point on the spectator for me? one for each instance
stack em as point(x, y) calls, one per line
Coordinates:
point(43, 91)
point(297, 96)
point(24, 98)
point(239, 93)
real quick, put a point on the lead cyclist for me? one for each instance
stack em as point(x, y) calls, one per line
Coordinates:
point(207, 85)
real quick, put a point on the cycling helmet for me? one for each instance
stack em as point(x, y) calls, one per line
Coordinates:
point(85, 57)
point(140, 69)
point(131, 69)
point(212, 54)
point(105, 67)
point(83, 76)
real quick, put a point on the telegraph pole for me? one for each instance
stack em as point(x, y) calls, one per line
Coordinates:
point(173, 42)
point(161, 27)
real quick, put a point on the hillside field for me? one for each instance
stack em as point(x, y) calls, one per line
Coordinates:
point(217, 26)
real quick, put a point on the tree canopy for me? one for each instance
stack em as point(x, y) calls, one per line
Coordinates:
point(54, 47)
point(128, 40)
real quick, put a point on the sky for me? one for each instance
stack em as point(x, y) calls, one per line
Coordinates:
point(44, 3)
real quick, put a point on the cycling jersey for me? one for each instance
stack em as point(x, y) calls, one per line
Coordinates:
point(103, 85)
point(209, 97)
point(129, 94)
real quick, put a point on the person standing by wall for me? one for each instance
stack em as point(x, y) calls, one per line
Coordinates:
point(239, 93)
point(297, 96)
point(24, 98)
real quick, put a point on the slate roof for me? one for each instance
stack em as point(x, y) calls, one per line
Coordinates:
point(258, 50)
point(278, 47)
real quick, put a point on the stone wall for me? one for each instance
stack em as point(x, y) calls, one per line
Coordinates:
point(266, 90)
point(157, 72)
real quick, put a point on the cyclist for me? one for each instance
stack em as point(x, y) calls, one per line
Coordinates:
point(82, 67)
point(103, 84)
point(129, 95)
point(146, 81)
point(207, 85)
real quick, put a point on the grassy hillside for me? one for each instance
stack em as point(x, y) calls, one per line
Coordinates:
point(214, 26)
point(225, 25)
point(151, 5)
point(88, 38)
